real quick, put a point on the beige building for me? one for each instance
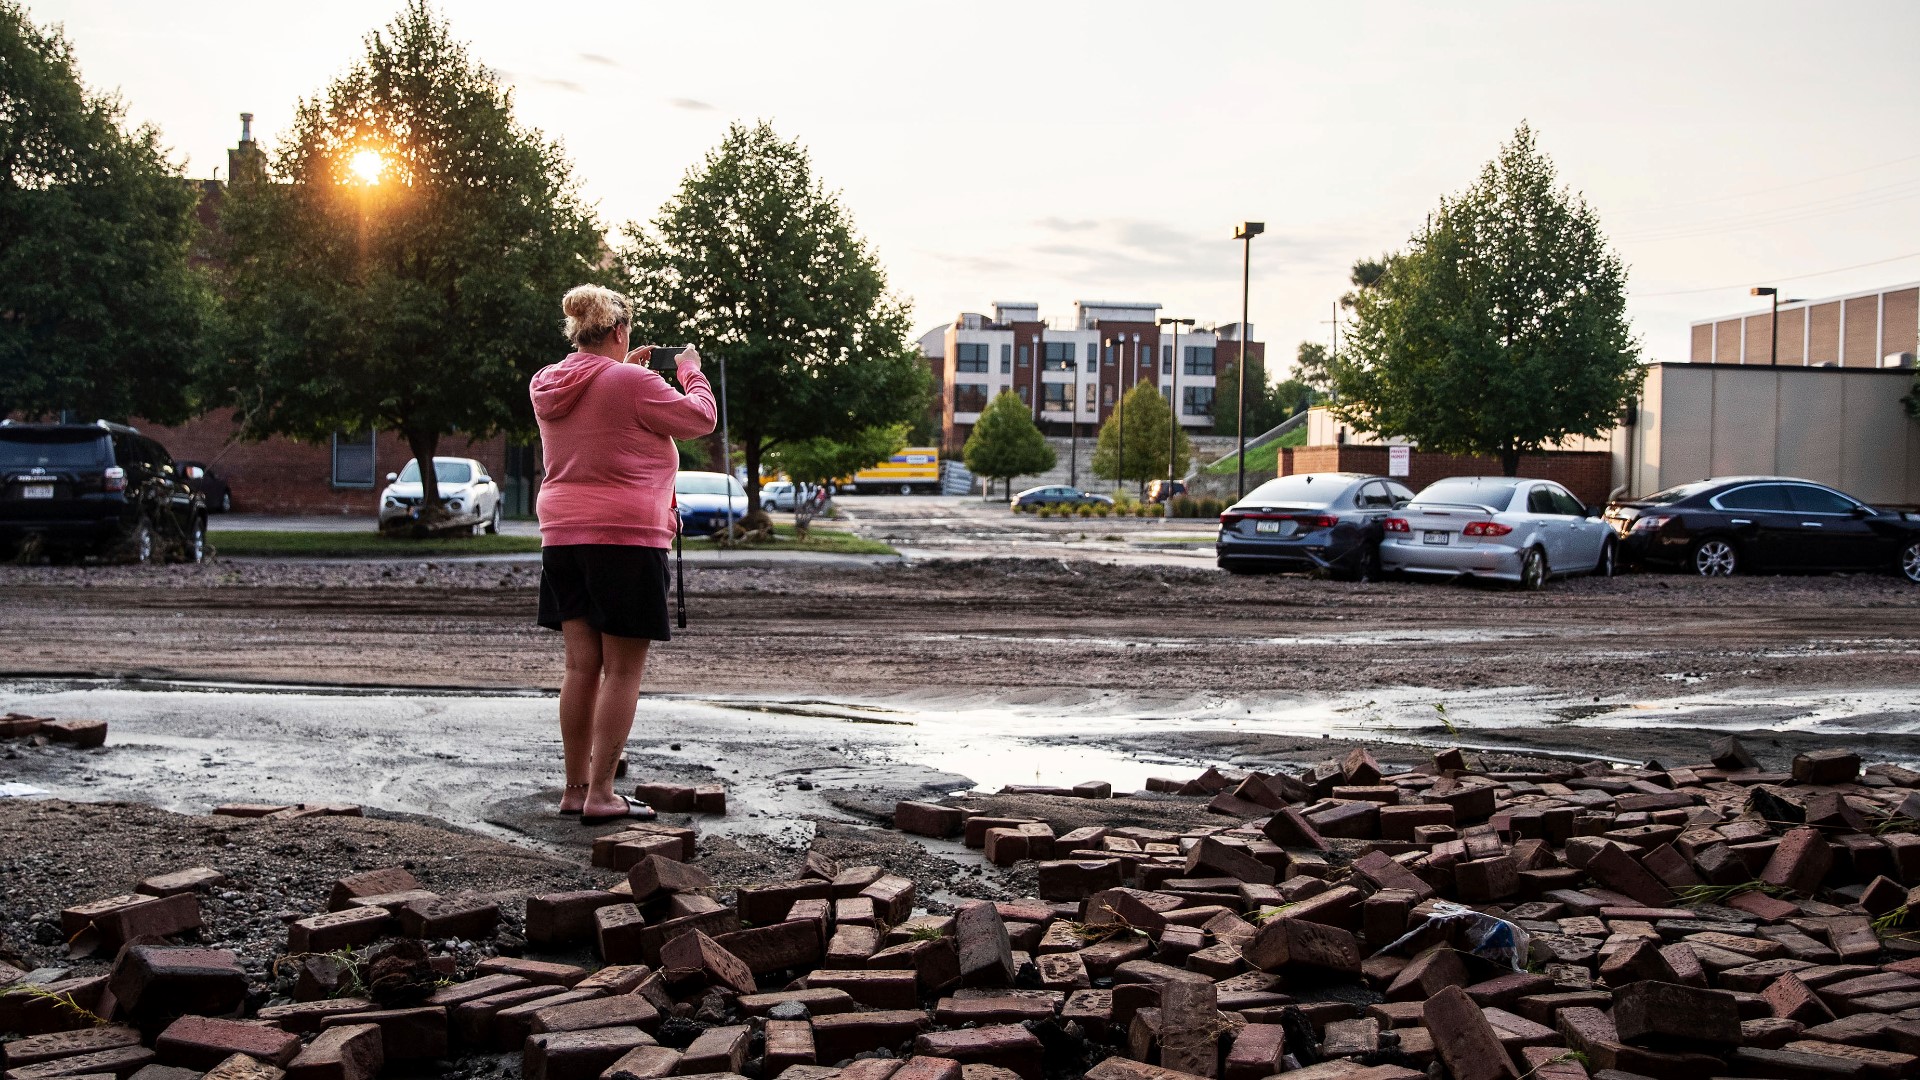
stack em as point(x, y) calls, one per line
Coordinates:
point(1843, 426)
point(1859, 330)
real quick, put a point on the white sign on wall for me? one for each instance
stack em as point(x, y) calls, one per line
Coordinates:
point(1399, 460)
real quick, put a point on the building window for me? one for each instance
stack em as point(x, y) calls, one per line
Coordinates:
point(1006, 359)
point(1197, 400)
point(353, 460)
point(1107, 353)
point(1056, 396)
point(1199, 360)
point(1106, 394)
point(970, 356)
point(1092, 389)
point(1057, 355)
point(1026, 398)
point(1166, 359)
point(969, 397)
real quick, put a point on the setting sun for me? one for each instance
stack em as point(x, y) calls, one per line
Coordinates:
point(368, 165)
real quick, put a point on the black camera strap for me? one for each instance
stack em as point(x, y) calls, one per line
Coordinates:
point(679, 572)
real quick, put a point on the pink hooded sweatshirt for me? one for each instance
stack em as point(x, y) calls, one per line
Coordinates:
point(607, 430)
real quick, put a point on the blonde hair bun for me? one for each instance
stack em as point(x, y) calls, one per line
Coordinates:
point(593, 312)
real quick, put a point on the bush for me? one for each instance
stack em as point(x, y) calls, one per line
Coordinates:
point(1086, 510)
point(1102, 509)
point(1182, 506)
point(1211, 507)
point(1044, 512)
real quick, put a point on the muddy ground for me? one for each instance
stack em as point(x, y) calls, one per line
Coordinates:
point(999, 625)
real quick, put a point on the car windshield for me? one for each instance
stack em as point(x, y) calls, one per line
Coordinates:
point(1673, 494)
point(26, 450)
point(1468, 491)
point(1298, 490)
point(446, 472)
point(708, 484)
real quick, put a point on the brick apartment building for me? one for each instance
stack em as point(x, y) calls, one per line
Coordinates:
point(1074, 369)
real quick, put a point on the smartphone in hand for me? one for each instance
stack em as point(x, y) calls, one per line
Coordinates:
point(660, 357)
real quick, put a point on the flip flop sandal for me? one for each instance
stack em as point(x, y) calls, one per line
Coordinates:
point(635, 811)
point(573, 787)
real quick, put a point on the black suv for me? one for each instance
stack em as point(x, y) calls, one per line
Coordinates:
point(95, 489)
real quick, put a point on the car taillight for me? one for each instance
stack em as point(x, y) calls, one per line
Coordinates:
point(1396, 525)
point(1317, 521)
point(116, 478)
point(1651, 523)
point(1485, 528)
point(1228, 521)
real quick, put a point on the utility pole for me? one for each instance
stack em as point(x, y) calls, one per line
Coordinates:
point(1119, 408)
point(1335, 323)
point(1073, 411)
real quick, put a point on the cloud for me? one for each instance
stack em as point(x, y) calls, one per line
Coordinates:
point(518, 78)
point(1057, 224)
point(596, 58)
point(690, 104)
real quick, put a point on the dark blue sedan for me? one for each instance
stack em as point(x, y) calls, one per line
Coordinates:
point(1311, 521)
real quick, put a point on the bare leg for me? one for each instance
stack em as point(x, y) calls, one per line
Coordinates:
point(578, 689)
point(624, 661)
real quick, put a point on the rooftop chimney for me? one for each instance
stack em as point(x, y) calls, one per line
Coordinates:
point(246, 127)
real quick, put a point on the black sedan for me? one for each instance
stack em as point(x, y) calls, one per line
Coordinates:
point(1736, 524)
point(208, 483)
point(1311, 521)
point(1057, 495)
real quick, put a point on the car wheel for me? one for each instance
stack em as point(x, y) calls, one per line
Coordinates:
point(1609, 563)
point(1910, 562)
point(1533, 570)
point(226, 502)
point(196, 550)
point(493, 523)
point(139, 543)
point(1714, 557)
point(906, 489)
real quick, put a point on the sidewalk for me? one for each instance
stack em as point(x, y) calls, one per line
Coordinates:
point(329, 523)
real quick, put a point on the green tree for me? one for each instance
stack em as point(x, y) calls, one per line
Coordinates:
point(1366, 274)
point(1310, 366)
point(404, 268)
point(1005, 442)
point(1291, 398)
point(757, 264)
point(1147, 421)
point(821, 460)
point(1502, 329)
point(100, 313)
point(1226, 398)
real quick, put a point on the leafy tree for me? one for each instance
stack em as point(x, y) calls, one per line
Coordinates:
point(757, 264)
point(1005, 442)
point(1291, 398)
point(1502, 329)
point(822, 461)
point(100, 313)
point(1147, 421)
point(1366, 274)
point(1310, 366)
point(405, 266)
point(1226, 397)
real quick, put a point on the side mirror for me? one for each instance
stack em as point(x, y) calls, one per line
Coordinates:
point(1596, 511)
point(392, 476)
point(1863, 511)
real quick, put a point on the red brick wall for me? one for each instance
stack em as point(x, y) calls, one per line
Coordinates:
point(280, 476)
point(1588, 474)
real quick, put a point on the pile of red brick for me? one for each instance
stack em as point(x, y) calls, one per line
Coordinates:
point(83, 734)
point(1714, 920)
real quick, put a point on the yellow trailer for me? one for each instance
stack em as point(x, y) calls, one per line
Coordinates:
point(917, 468)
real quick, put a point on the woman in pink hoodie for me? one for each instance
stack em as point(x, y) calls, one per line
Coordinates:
point(607, 425)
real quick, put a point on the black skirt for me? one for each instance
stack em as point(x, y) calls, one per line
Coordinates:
point(619, 589)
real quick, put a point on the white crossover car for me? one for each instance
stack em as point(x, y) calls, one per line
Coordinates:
point(1500, 527)
point(465, 488)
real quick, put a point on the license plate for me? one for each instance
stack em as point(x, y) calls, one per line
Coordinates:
point(1431, 536)
point(1266, 526)
point(36, 491)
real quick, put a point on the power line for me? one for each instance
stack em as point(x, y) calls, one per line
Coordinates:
point(1631, 211)
point(1872, 197)
point(1776, 277)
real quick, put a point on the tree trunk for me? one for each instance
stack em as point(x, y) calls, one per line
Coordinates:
point(1510, 460)
point(751, 451)
point(424, 444)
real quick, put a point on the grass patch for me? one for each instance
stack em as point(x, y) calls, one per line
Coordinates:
point(1264, 458)
point(356, 545)
point(819, 540)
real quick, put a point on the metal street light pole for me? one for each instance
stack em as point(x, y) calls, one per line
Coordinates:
point(1773, 323)
point(1173, 399)
point(1120, 462)
point(1244, 233)
point(1073, 413)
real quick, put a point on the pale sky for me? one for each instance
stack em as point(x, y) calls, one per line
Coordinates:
point(1053, 151)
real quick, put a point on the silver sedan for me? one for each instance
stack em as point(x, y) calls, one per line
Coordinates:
point(1500, 527)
